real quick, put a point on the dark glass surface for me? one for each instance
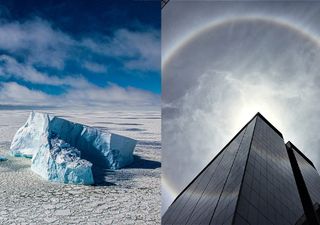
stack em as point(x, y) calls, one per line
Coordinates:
point(311, 178)
point(211, 197)
point(250, 182)
point(227, 204)
point(268, 194)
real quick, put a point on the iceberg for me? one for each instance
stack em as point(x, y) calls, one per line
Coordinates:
point(65, 151)
point(27, 139)
point(2, 158)
point(62, 163)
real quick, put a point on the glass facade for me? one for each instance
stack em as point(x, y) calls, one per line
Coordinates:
point(311, 178)
point(212, 195)
point(268, 194)
point(249, 182)
point(308, 183)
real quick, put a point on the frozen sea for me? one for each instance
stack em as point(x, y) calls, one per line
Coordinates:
point(127, 196)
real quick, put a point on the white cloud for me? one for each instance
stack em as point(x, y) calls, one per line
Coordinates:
point(144, 45)
point(10, 67)
point(33, 44)
point(40, 44)
point(37, 40)
point(12, 93)
point(141, 50)
point(78, 91)
point(112, 96)
point(95, 67)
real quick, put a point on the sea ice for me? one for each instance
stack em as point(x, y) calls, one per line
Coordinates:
point(65, 151)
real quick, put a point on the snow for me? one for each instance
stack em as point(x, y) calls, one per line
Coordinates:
point(64, 151)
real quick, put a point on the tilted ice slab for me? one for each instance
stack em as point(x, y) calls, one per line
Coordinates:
point(61, 162)
point(65, 151)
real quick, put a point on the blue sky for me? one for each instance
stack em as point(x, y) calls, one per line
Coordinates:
point(80, 53)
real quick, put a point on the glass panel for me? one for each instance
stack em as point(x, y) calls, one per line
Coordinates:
point(269, 190)
point(215, 190)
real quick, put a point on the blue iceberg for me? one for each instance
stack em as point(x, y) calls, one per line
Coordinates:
point(2, 158)
point(64, 151)
point(62, 163)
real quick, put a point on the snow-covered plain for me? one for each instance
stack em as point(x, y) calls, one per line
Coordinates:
point(127, 196)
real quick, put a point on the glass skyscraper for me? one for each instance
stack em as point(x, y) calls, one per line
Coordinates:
point(256, 179)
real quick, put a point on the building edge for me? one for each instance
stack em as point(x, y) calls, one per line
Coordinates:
point(258, 114)
point(304, 195)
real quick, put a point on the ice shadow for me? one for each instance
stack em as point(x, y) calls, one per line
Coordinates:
point(134, 129)
point(141, 163)
point(99, 176)
point(120, 124)
point(100, 167)
point(101, 173)
point(12, 165)
point(149, 143)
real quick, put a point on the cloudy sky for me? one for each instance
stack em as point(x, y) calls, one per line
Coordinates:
point(79, 53)
point(223, 62)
